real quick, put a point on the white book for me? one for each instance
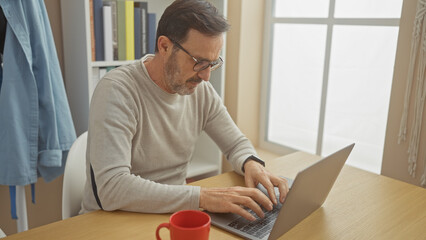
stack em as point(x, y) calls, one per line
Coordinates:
point(144, 32)
point(113, 5)
point(107, 17)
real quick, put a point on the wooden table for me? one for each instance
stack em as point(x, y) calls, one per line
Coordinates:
point(361, 205)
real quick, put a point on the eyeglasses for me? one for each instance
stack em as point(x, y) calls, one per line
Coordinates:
point(200, 65)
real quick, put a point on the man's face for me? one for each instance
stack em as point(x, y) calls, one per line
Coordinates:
point(179, 75)
point(173, 79)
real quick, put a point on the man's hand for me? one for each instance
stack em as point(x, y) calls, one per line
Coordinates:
point(255, 173)
point(234, 199)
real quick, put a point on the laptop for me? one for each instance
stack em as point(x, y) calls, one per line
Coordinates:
point(307, 193)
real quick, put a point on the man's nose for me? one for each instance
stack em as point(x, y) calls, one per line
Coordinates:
point(205, 74)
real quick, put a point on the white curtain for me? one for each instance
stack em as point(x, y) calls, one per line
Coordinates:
point(416, 75)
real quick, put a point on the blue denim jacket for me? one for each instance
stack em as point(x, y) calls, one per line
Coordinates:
point(36, 128)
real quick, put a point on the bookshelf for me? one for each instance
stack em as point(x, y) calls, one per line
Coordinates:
point(79, 82)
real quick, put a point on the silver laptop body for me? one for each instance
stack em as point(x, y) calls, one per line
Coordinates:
point(308, 192)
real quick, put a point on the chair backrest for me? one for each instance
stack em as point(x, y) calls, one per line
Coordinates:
point(74, 177)
point(2, 234)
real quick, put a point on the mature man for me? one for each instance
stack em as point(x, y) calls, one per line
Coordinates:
point(145, 119)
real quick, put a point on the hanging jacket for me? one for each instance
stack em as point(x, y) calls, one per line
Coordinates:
point(36, 129)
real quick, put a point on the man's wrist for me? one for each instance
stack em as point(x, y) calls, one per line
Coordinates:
point(252, 158)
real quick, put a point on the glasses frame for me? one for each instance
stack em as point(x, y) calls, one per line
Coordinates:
point(214, 64)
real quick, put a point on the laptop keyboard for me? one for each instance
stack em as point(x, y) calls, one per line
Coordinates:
point(259, 227)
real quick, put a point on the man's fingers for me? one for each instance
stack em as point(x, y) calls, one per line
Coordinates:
point(271, 192)
point(256, 197)
point(250, 203)
point(236, 200)
point(242, 212)
point(282, 185)
point(269, 186)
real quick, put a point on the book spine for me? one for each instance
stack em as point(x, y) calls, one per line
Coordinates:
point(144, 24)
point(107, 17)
point(113, 5)
point(151, 32)
point(130, 28)
point(110, 68)
point(121, 30)
point(92, 31)
point(138, 32)
point(97, 17)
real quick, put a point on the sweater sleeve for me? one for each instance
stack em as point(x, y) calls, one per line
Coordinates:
point(112, 125)
point(225, 133)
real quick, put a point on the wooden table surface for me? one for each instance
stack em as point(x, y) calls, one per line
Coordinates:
point(361, 205)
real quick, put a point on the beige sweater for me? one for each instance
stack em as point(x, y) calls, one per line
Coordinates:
point(141, 140)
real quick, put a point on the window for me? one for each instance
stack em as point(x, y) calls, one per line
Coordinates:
point(329, 68)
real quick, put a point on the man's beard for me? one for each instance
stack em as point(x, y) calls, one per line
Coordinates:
point(172, 73)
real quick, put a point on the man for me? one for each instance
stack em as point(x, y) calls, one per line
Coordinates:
point(145, 119)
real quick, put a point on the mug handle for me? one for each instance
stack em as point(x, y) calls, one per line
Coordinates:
point(157, 233)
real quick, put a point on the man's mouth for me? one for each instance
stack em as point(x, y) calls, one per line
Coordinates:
point(195, 81)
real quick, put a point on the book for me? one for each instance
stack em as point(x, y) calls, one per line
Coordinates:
point(98, 19)
point(130, 30)
point(144, 26)
point(151, 32)
point(92, 31)
point(121, 30)
point(113, 5)
point(138, 32)
point(110, 68)
point(107, 24)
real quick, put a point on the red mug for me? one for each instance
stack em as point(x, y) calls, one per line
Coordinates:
point(186, 225)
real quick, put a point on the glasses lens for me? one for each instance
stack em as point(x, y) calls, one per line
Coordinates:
point(200, 66)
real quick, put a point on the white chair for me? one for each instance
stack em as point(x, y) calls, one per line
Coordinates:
point(2, 234)
point(74, 177)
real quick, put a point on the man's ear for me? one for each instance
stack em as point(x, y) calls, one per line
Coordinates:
point(164, 45)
